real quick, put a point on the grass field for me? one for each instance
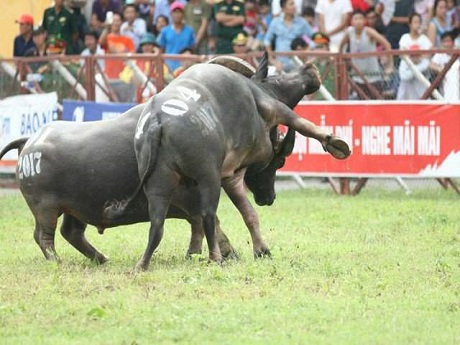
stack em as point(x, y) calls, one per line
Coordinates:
point(380, 268)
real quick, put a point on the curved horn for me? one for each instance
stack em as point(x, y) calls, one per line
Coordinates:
point(288, 143)
point(235, 64)
point(262, 69)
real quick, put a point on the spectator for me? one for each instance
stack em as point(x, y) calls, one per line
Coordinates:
point(321, 43)
point(148, 45)
point(277, 9)
point(229, 15)
point(264, 18)
point(300, 45)
point(374, 20)
point(184, 63)
point(143, 7)
point(240, 43)
point(197, 14)
point(177, 36)
point(450, 85)
point(310, 16)
point(362, 39)
point(163, 8)
point(113, 42)
point(24, 41)
point(92, 47)
point(80, 20)
point(439, 24)
point(39, 38)
point(101, 7)
point(411, 87)
point(425, 9)
point(149, 18)
point(453, 13)
point(133, 26)
point(399, 23)
point(282, 30)
point(162, 21)
point(59, 22)
point(333, 19)
point(250, 18)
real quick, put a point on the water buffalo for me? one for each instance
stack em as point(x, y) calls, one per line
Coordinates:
point(73, 168)
point(205, 129)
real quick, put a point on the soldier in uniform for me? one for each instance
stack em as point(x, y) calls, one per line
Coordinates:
point(229, 19)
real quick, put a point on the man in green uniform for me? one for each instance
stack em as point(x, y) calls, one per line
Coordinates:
point(197, 14)
point(59, 22)
point(229, 18)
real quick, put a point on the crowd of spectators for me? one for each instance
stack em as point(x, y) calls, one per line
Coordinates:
point(207, 27)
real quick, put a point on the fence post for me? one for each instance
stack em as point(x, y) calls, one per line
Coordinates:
point(90, 75)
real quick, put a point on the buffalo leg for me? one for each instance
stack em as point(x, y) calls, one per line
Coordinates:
point(44, 237)
point(155, 233)
point(159, 195)
point(209, 200)
point(196, 240)
point(226, 248)
point(234, 187)
point(73, 230)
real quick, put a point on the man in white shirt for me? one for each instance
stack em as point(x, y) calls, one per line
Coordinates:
point(333, 18)
point(133, 26)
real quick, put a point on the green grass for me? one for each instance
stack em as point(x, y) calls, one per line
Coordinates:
point(380, 268)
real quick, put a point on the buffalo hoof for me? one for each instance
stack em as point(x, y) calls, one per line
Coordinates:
point(262, 253)
point(100, 259)
point(191, 252)
point(141, 266)
point(230, 255)
point(336, 147)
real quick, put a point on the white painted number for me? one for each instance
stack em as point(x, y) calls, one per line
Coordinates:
point(29, 165)
point(189, 94)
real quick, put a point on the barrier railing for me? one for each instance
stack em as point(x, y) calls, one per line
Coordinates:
point(125, 78)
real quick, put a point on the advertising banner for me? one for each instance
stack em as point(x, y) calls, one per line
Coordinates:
point(91, 111)
point(22, 116)
point(413, 139)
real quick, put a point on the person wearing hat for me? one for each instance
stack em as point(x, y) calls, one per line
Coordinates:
point(230, 17)
point(321, 41)
point(24, 42)
point(240, 43)
point(55, 45)
point(177, 36)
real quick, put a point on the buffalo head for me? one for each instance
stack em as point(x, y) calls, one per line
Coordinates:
point(261, 179)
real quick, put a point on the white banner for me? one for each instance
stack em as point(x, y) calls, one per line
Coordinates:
point(22, 116)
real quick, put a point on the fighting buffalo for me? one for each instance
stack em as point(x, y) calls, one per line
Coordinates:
point(73, 168)
point(205, 129)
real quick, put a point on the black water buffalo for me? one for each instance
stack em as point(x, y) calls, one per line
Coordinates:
point(73, 168)
point(205, 129)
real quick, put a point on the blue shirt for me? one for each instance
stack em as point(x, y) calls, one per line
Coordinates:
point(173, 42)
point(283, 36)
point(21, 46)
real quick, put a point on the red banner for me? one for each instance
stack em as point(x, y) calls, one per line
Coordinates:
point(387, 139)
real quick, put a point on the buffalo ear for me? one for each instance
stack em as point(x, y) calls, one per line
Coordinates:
point(262, 69)
point(288, 143)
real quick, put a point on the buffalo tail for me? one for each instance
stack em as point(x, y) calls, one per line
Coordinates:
point(117, 209)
